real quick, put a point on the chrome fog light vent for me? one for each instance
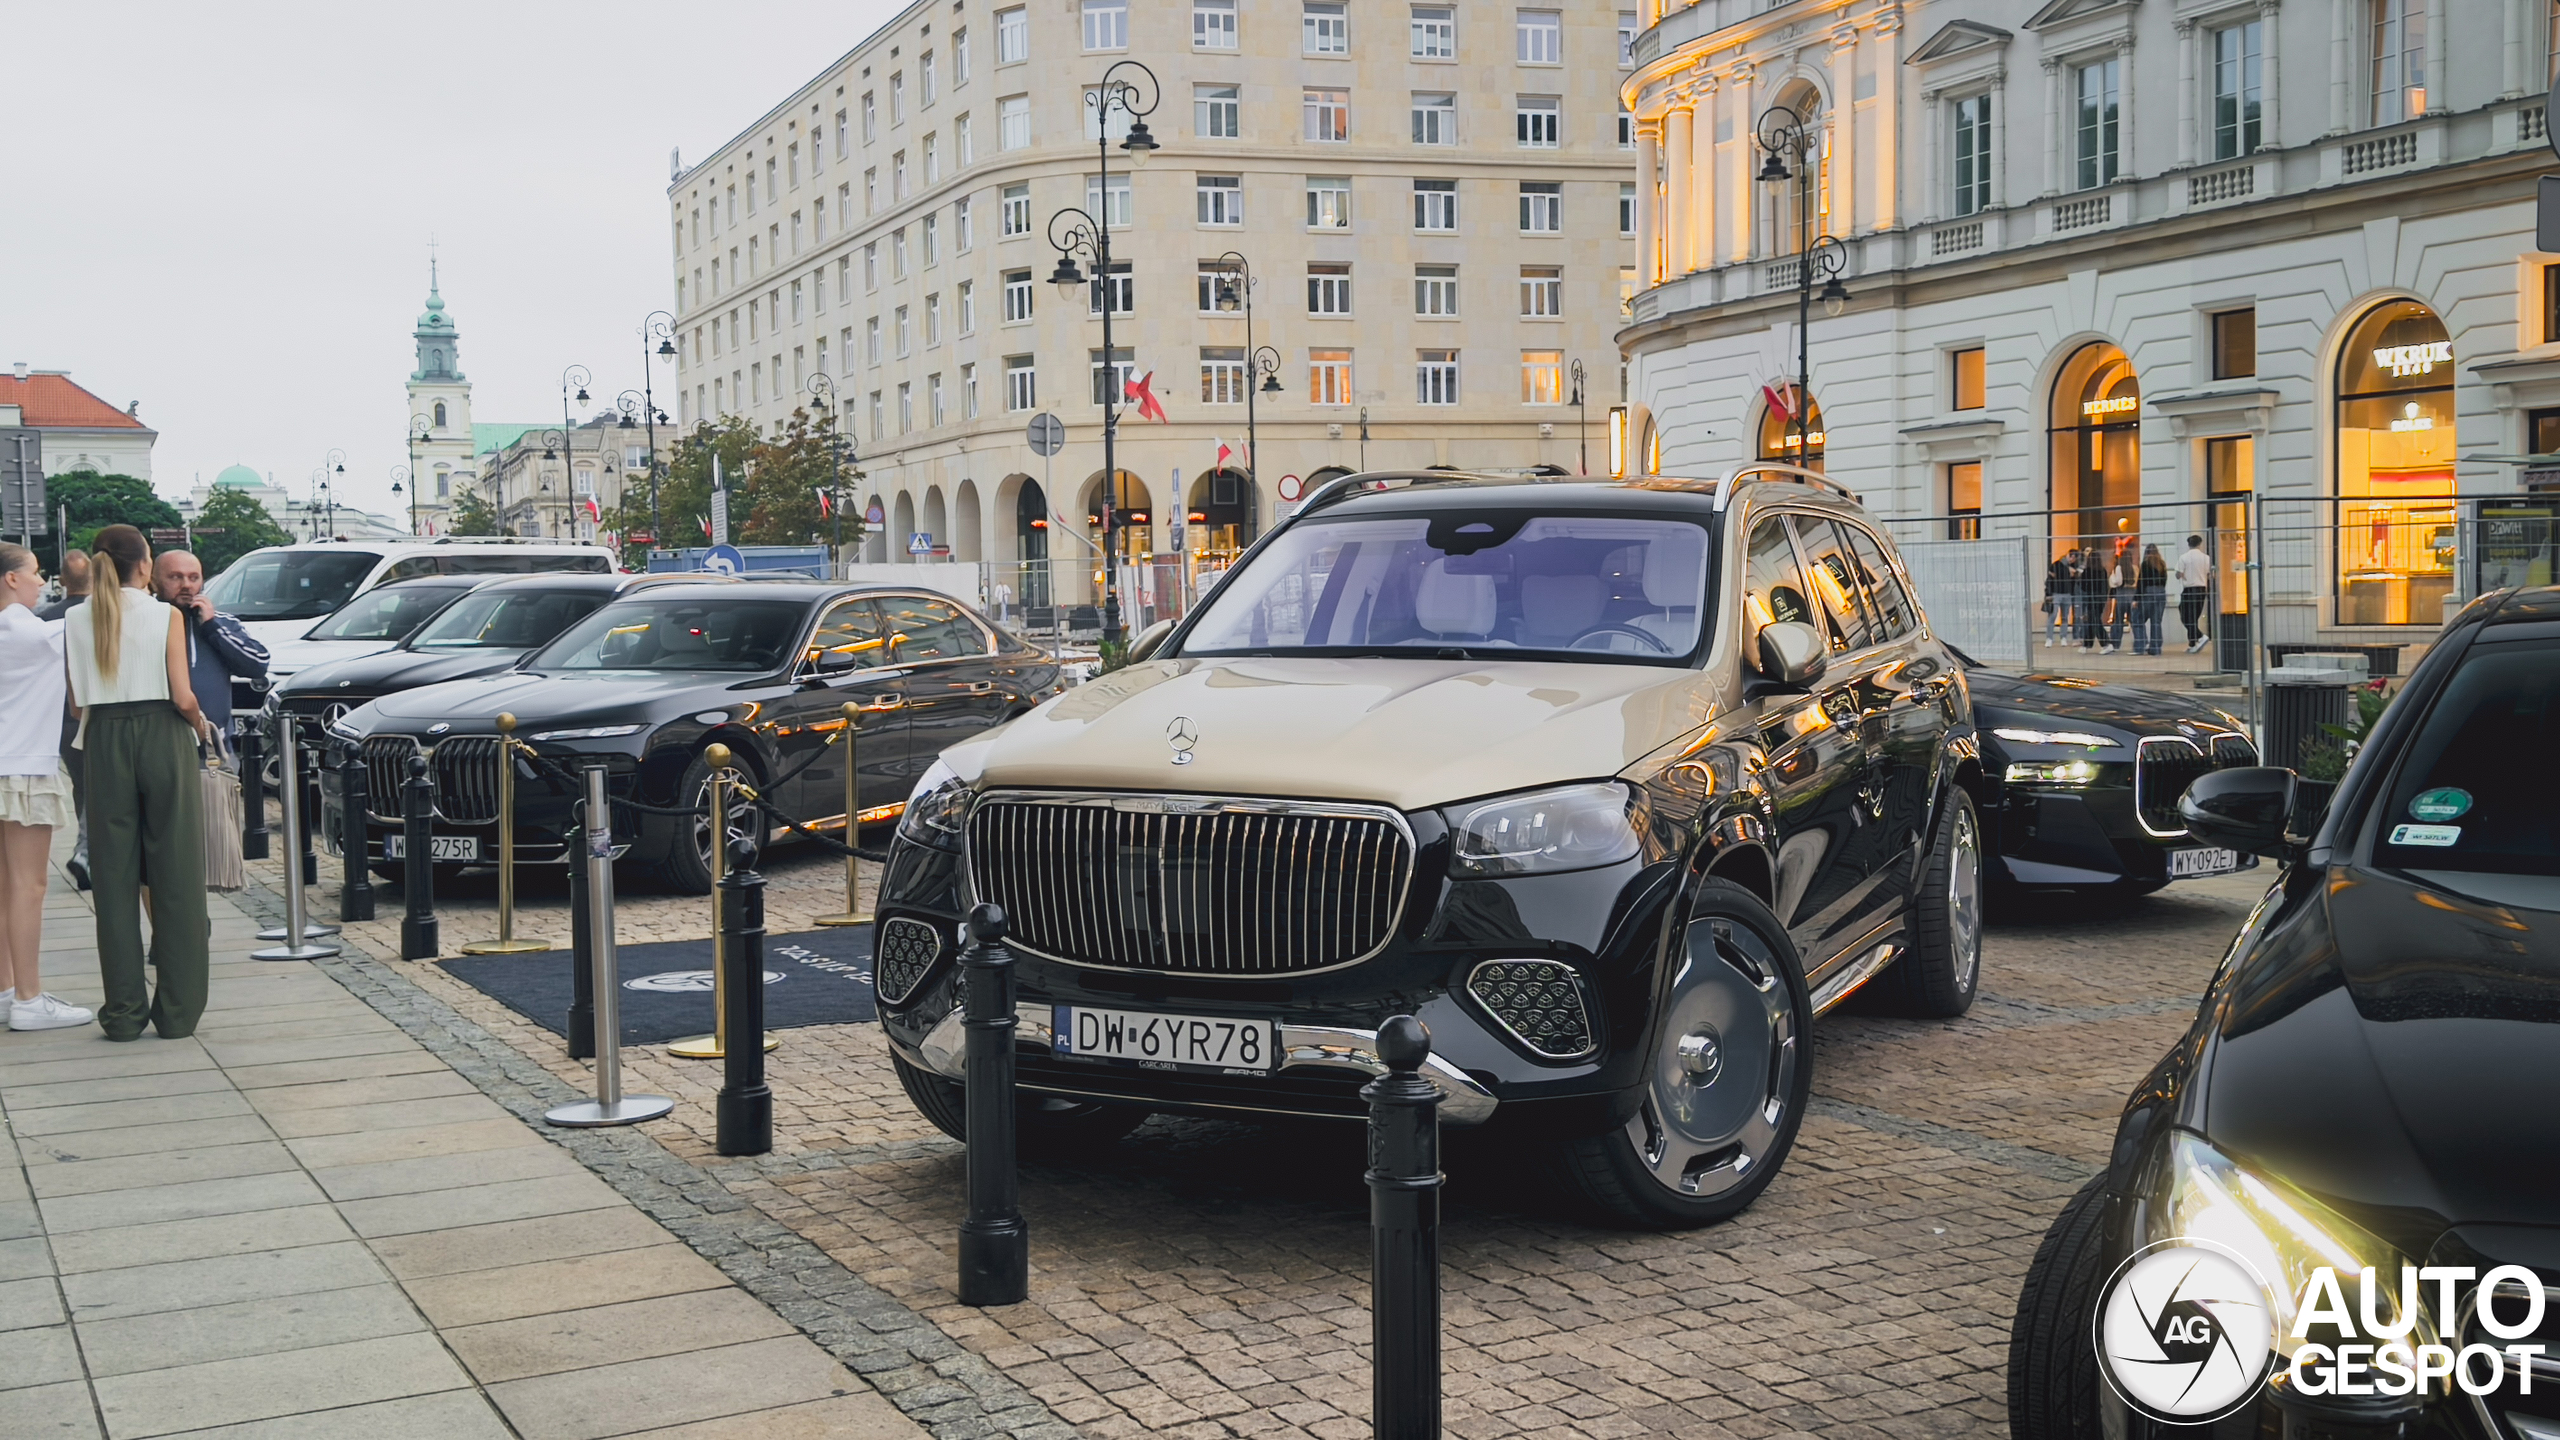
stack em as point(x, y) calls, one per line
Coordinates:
point(1539, 1002)
point(904, 953)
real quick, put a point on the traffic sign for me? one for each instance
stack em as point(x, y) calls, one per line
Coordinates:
point(723, 560)
point(1047, 434)
point(1291, 488)
point(920, 543)
point(875, 515)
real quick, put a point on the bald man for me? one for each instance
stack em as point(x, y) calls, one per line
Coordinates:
point(218, 646)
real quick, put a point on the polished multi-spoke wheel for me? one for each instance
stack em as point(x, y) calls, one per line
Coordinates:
point(1941, 965)
point(686, 868)
point(1726, 1081)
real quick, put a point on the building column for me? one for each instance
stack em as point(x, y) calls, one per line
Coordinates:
point(2186, 91)
point(1844, 131)
point(1679, 208)
point(1888, 168)
point(1702, 183)
point(1648, 217)
point(1933, 107)
point(2000, 138)
point(2515, 82)
point(2439, 26)
point(2124, 109)
point(2342, 40)
point(1746, 122)
point(2055, 122)
point(2270, 71)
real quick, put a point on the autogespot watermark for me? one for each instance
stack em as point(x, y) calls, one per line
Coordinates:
point(2187, 1332)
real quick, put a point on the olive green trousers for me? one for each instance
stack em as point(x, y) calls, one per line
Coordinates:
point(146, 827)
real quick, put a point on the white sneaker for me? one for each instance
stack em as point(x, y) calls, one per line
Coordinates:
point(47, 1013)
point(2194, 646)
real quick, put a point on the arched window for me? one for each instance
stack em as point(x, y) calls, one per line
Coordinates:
point(2395, 434)
point(439, 414)
point(2096, 430)
point(1781, 438)
point(1805, 195)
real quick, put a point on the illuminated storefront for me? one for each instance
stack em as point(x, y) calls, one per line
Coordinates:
point(2096, 428)
point(2395, 451)
point(1780, 437)
point(1220, 523)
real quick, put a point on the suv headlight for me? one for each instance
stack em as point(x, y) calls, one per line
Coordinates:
point(344, 731)
point(2071, 773)
point(1572, 827)
point(588, 732)
point(936, 809)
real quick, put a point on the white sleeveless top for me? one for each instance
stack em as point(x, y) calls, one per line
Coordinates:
point(142, 658)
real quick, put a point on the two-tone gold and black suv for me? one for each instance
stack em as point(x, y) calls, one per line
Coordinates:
point(1616, 785)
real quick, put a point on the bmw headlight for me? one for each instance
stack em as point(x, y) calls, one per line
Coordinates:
point(936, 809)
point(2025, 736)
point(2069, 773)
point(589, 732)
point(1572, 827)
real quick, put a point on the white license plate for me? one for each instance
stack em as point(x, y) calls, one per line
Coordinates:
point(2203, 860)
point(464, 849)
point(1166, 1042)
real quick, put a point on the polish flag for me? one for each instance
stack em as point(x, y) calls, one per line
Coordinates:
point(1223, 453)
point(1781, 398)
point(825, 506)
point(1142, 390)
point(705, 523)
point(594, 511)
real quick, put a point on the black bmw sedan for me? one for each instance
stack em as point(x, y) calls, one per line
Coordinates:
point(649, 680)
point(2351, 1161)
point(2081, 782)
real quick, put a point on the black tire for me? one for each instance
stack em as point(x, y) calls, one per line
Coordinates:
point(684, 864)
point(1045, 1126)
point(1941, 969)
point(1739, 986)
point(2054, 1386)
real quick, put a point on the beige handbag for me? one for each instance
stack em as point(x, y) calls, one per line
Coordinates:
point(223, 867)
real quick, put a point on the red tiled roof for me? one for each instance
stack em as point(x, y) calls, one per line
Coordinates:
point(52, 400)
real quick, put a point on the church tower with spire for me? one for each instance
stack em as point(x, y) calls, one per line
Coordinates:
point(439, 444)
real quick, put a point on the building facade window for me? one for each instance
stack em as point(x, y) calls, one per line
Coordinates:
point(1326, 113)
point(1435, 206)
point(1221, 375)
point(1021, 384)
point(1017, 295)
point(1626, 208)
point(1106, 24)
point(1328, 377)
point(1435, 118)
point(1107, 198)
point(1013, 37)
point(1541, 377)
point(1972, 159)
point(969, 391)
point(1540, 35)
point(964, 301)
point(2096, 437)
point(1216, 111)
point(1541, 207)
point(1435, 32)
point(1966, 373)
point(1325, 28)
point(963, 233)
point(1329, 289)
point(1013, 122)
point(2395, 456)
point(1112, 374)
point(1220, 199)
point(1435, 291)
point(1964, 500)
point(1541, 292)
point(1435, 377)
point(2093, 125)
point(1016, 210)
point(1213, 24)
point(2238, 59)
point(1118, 287)
point(2235, 343)
point(1328, 202)
point(1539, 121)
point(1628, 28)
point(2399, 51)
point(959, 57)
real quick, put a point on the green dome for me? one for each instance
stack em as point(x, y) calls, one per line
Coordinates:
point(239, 477)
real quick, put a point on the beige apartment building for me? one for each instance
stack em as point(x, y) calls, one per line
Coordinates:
point(1434, 201)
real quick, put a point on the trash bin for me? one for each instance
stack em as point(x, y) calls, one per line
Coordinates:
point(2299, 702)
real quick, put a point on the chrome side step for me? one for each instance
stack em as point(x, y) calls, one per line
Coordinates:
point(1849, 977)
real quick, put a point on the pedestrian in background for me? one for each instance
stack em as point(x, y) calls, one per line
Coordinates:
point(35, 796)
point(2195, 574)
point(75, 591)
point(219, 648)
point(2150, 601)
point(2058, 580)
point(2093, 598)
point(138, 714)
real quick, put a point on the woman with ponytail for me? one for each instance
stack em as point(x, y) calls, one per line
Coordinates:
point(139, 725)
point(35, 794)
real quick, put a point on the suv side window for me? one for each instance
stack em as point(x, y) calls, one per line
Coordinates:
point(1886, 602)
point(932, 630)
point(409, 569)
point(854, 628)
point(1835, 581)
point(1772, 585)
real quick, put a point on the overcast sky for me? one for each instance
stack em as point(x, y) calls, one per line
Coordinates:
point(223, 211)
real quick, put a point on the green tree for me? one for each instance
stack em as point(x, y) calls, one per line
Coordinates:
point(231, 525)
point(781, 492)
point(473, 514)
point(773, 487)
point(97, 501)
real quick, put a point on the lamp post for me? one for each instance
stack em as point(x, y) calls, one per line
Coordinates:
point(575, 377)
point(662, 325)
point(400, 478)
point(1236, 291)
point(333, 472)
point(1581, 423)
point(553, 442)
point(1783, 132)
point(421, 430)
point(823, 387)
point(1090, 236)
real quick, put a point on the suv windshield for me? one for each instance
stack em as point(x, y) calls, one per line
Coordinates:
point(2477, 790)
point(506, 619)
point(750, 636)
point(290, 584)
point(389, 612)
point(1601, 587)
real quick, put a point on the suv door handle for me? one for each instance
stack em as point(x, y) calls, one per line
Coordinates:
point(981, 687)
point(886, 702)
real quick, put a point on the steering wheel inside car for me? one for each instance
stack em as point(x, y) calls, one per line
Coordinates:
point(1652, 641)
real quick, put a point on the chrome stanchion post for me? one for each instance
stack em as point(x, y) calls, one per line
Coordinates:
point(611, 1106)
point(297, 932)
point(853, 914)
point(745, 1106)
point(506, 943)
point(252, 749)
point(355, 803)
point(718, 799)
point(418, 930)
point(1404, 1236)
point(995, 1244)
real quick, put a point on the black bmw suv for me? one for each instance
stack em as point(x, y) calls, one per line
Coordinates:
point(1615, 785)
point(2372, 1081)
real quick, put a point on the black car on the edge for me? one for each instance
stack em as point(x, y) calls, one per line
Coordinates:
point(2371, 1082)
point(651, 678)
point(2081, 781)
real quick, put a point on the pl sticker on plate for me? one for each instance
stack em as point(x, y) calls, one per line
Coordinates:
point(2437, 806)
point(2425, 834)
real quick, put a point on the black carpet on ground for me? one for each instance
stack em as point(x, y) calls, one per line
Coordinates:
point(822, 977)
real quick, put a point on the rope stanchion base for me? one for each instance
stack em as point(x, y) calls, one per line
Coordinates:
point(311, 930)
point(707, 1047)
point(507, 947)
point(845, 919)
point(592, 1114)
point(304, 951)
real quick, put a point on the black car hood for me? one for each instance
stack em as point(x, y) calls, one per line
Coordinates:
point(2125, 707)
point(539, 700)
point(2394, 1047)
point(389, 670)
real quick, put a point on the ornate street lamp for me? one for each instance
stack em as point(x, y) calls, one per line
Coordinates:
point(823, 388)
point(660, 324)
point(1784, 133)
point(1072, 232)
point(1581, 422)
point(1235, 291)
point(577, 378)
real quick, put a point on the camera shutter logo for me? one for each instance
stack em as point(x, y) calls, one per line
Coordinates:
point(2185, 1331)
point(1183, 734)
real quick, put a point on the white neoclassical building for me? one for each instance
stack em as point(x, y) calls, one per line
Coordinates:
point(2116, 268)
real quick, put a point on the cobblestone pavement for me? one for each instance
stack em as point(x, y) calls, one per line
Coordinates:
point(1209, 1279)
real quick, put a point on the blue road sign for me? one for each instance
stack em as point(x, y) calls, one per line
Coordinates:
point(723, 560)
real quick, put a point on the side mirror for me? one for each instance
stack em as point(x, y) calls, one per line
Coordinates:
point(2247, 810)
point(1148, 639)
point(832, 662)
point(1792, 655)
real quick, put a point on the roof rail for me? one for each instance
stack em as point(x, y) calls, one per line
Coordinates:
point(1796, 473)
point(1341, 486)
point(505, 540)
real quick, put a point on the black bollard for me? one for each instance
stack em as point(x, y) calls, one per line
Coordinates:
point(582, 942)
point(1404, 1236)
point(355, 803)
point(995, 1245)
point(307, 795)
point(418, 940)
point(252, 748)
point(745, 1107)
